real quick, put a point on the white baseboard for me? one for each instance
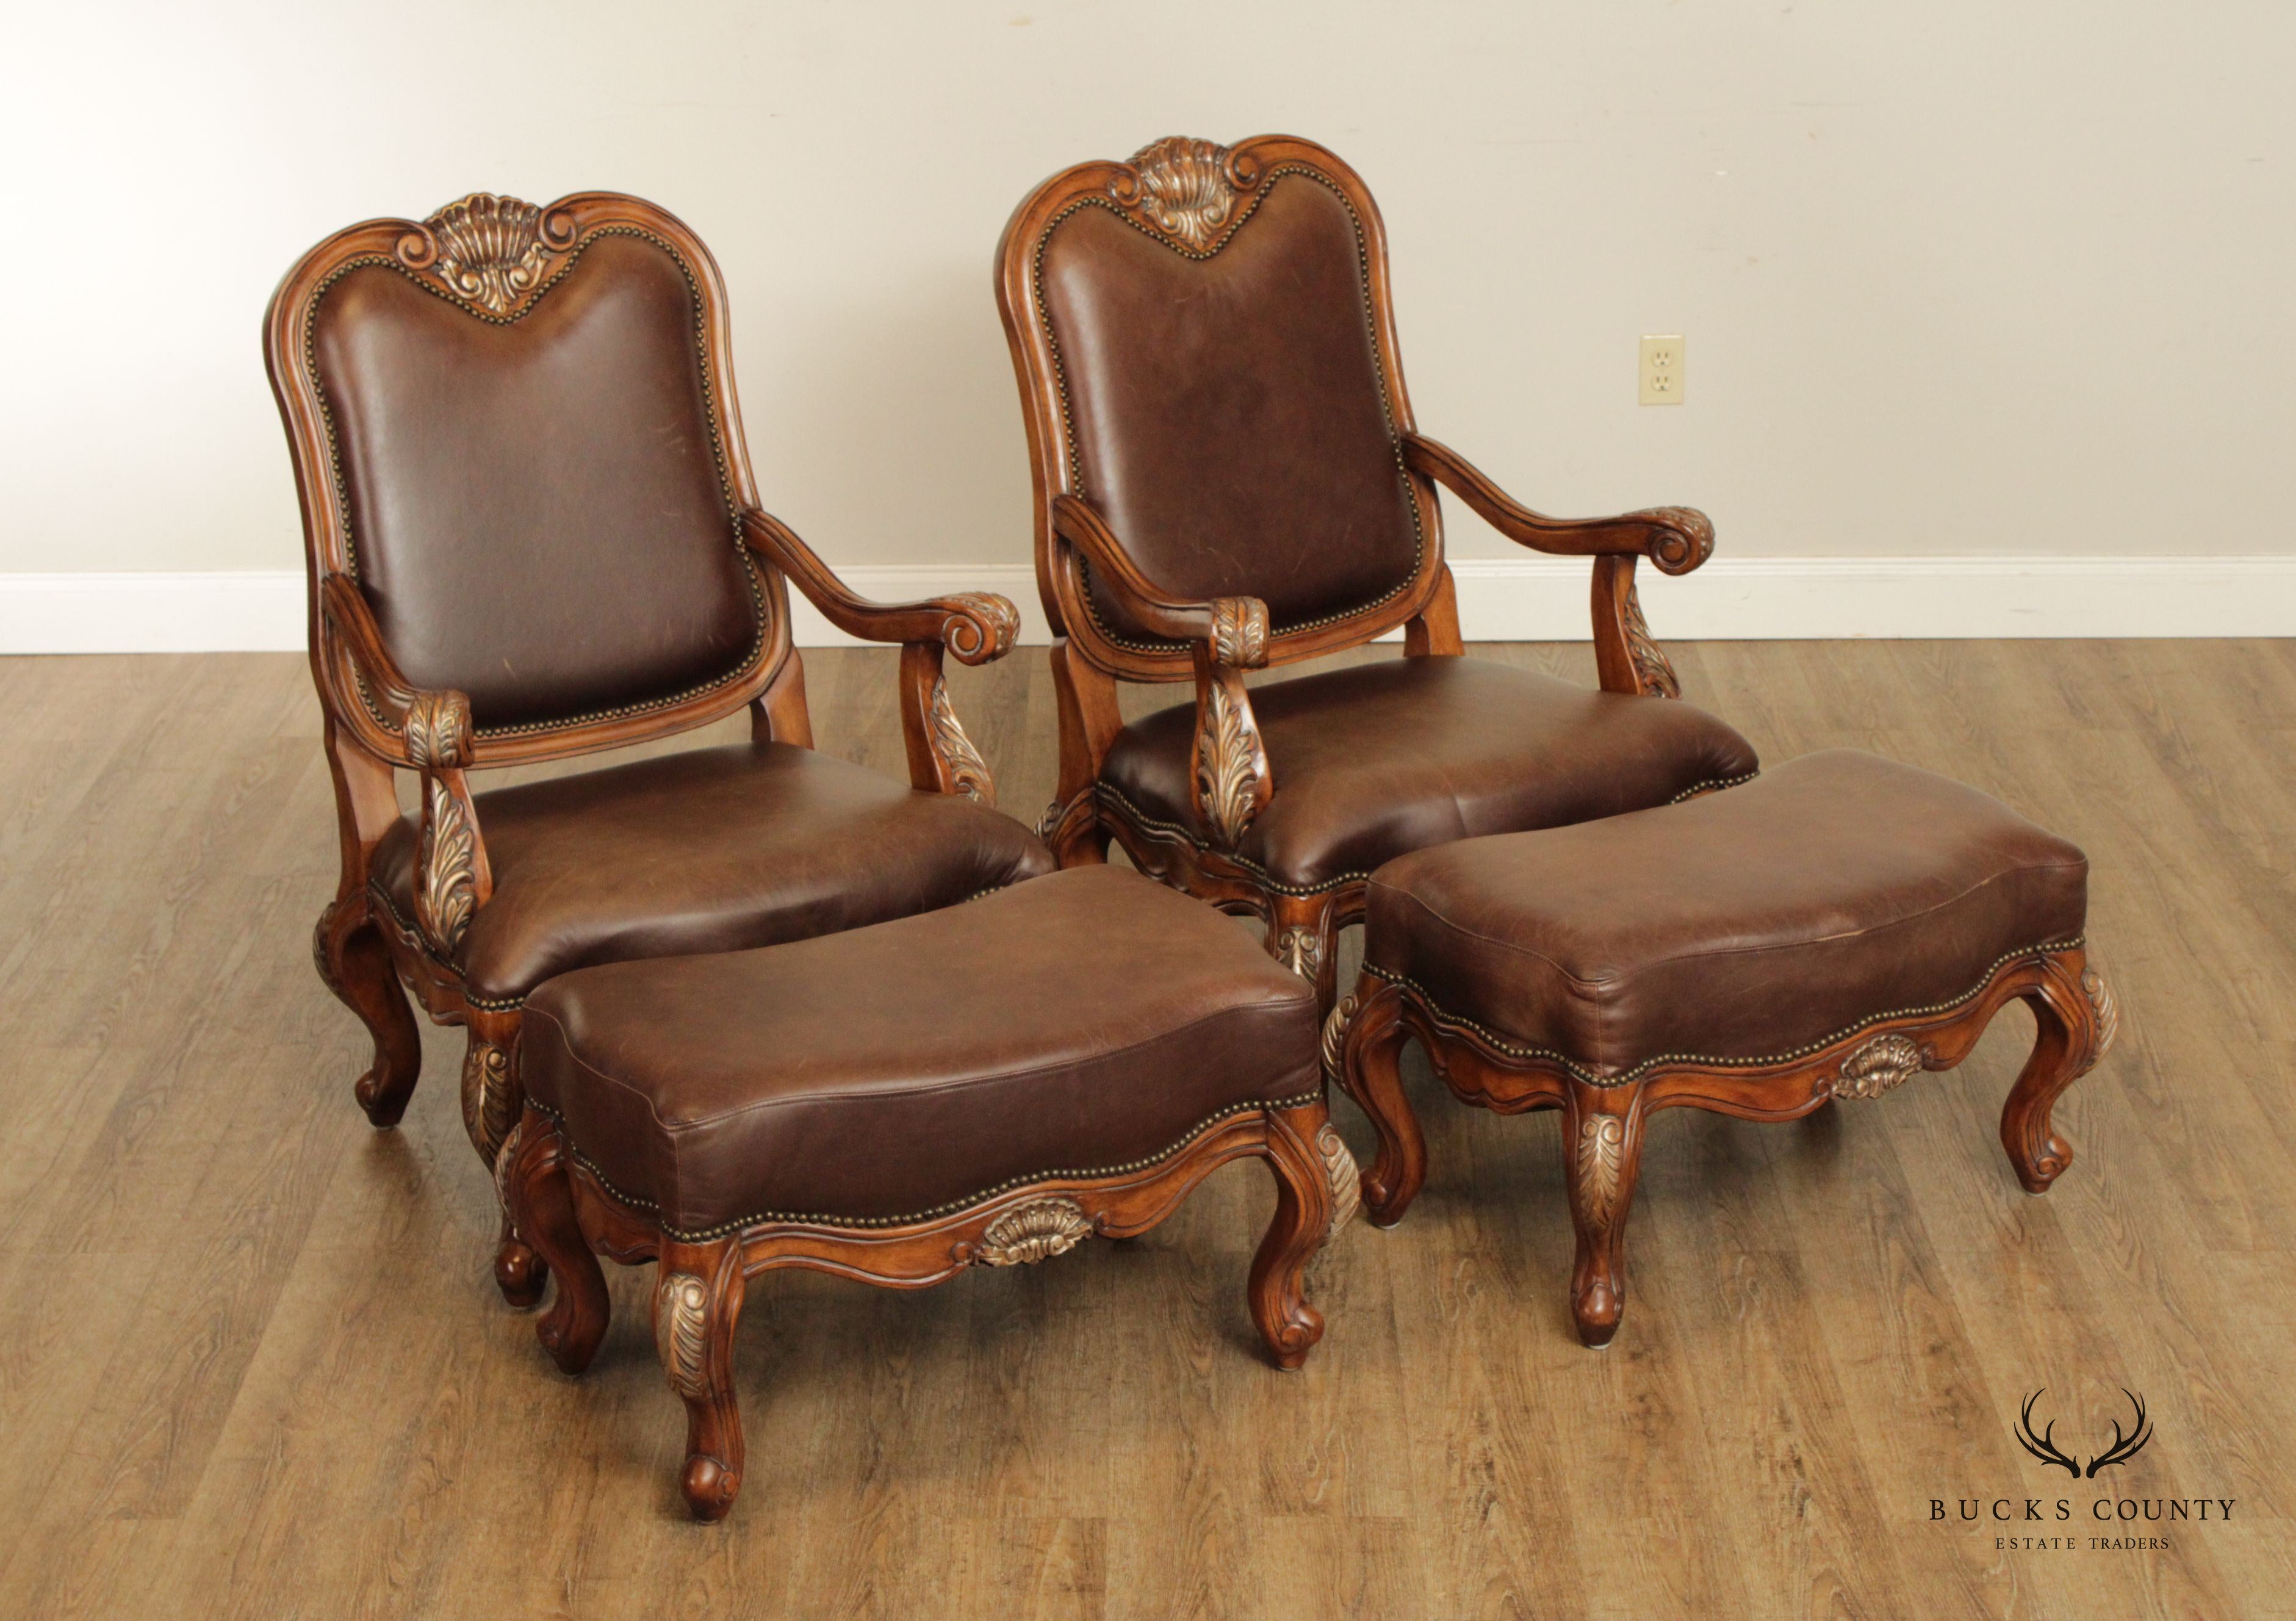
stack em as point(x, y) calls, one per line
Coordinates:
point(1532, 599)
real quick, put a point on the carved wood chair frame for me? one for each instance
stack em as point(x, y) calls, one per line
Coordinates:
point(494, 258)
point(2075, 1016)
point(570, 1212)
point(1193, 196)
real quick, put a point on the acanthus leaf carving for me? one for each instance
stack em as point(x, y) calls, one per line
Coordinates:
point(1340, 1170)
point(1228, 768)
point(1185, 188)
point(438, 731)
point(1652, 671)
point(681, 1317)
point(1239, 632)
point(505, 1163)
point(2105, 1008)
point(968, 773)
point(489, 1109)
point(450, 884)
point(1033, 1232)
point(1301, 951)
point(489, 250)
point(1881, 1064)
point(1601, 1157)
point(1335, 1034)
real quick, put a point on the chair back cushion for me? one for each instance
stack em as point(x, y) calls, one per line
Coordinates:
point(537, 504)
point(1227, 401)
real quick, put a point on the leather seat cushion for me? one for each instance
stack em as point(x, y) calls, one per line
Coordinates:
point(1085, 1022)
point(709, 850)
point(1834, 891)
point(1377, 760)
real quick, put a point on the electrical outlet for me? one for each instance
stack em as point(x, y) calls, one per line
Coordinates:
point(1662, 369)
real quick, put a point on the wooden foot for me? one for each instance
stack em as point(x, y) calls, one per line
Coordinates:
point(1603, 1146)
point(697, 1304)
point(1363, 1051)
point(541, 1202)
point(356, 967)
point(1304, 1208)
point(2075, 1018)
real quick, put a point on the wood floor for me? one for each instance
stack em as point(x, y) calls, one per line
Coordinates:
point(251, 1363)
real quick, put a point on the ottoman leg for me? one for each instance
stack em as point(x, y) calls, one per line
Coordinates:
point(1304, 1208)
point(2075, 1018)
point(1603, 1150)
point(697, 1304)
point(492, 1098)
point(540, 1201)
point(1364, 1051)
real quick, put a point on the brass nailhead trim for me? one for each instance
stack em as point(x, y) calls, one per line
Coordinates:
point(750, 659)
point(1516, 1050)
point(1124, 807)
point(1379, 365)
point(705, 1234)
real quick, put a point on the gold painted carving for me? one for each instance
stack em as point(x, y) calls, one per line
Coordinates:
point(2106, 1007)
point(1301, 951)
point(504, 1163)
point(1239, 632)
point(487, 1107)
point(1185, 188)
point(1602, 1153)
point(985, 630)
point(1653, 673)
point(1335, 1034)
point(438, 731)
point(1228, 777)
point(1034, 1232)
point(450, 882)
point(681, 1332)
point(954, 750)
point(1882, 1065)
point(490, 250)
point(1340, 1171)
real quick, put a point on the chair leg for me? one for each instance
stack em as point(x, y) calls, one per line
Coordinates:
point(2072, 1032)
point(492, 1098)
point(1303, 934)
point(697, 1304)
point(1304, 1207)
point(1603, 1148)
point(1368, 1047)
point(356, 967)
point(540, 1200)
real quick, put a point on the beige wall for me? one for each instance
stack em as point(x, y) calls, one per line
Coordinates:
point(1956, 278)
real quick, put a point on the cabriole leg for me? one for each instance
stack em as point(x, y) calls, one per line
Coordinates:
point(1603, 1146)
point(1363, 1044)
point(356, 967)
point(540, 1199)
point(1304, 1209)
point(2075, 1017)
point(697, 1304)
point(492, 1098)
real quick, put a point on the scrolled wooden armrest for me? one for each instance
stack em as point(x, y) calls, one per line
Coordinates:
point(977, 626)
point(453, 876)
point(1228, 761)
point(1677, 538)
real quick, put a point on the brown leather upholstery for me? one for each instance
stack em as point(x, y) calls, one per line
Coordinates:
point(1228, 415)
point(1834, 891)
point(536, 510)
point(711, 849)
point(1381, 759)
point(1084, 1022)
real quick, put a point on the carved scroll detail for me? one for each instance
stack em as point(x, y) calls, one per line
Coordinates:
point(681, 1332)
point(1602, 1154)
point(1653, 673)
point(2106, 1007)
point(1301, 951)
point(450, 880)
point(1335, 1033)
point(1239, 632)
point(1185, 188)
point(438, 731)
point(488, 1108)
point(489, 250)
point(1882, 1065)
point(1227, 778)
point(955, 750)
point(984, 629)
point(1031, 1233)
point(1340, 1171)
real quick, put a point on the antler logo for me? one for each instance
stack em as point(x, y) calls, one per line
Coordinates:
point(2044, 1446)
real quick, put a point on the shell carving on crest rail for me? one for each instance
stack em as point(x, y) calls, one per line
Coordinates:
point(1185, 188)
point(489, 250)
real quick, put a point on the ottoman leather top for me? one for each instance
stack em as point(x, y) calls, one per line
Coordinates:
point(1079, 1022)
point(1835, 890)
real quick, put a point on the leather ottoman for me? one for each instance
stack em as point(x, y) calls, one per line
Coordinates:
point(987, 1084)
point(1827, 931)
